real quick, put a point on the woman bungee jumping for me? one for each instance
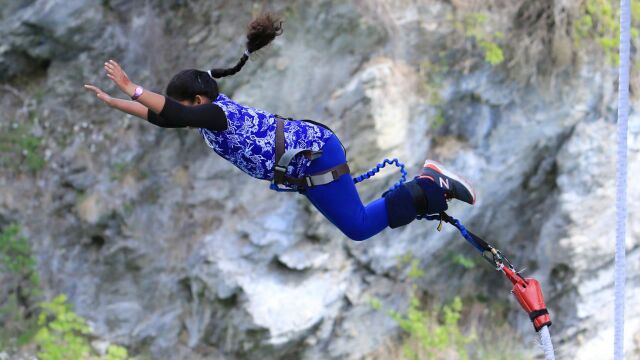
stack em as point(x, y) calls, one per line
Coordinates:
point(301, 155)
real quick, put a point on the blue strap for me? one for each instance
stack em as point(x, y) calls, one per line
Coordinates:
point(463, 230)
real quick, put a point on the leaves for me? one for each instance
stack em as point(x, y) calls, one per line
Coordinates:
point(429, 335)
point(63, 334)
point(600, 21)
point(19, 149)
point(15, 255)
point(472, 25)
point(492, 52)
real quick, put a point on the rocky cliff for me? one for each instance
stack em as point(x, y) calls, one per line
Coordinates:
point(169, 250)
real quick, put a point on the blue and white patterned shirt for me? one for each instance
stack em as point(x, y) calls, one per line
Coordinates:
point(249, 140)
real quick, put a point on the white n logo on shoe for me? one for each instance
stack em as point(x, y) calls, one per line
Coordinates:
point(444, 183)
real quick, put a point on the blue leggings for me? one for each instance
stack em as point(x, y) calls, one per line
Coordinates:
point(339, 200)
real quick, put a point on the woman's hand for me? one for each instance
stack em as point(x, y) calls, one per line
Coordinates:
point(127, 106)
point(119, 77)
point(106, 98)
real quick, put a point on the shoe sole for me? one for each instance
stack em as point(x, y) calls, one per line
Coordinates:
point(442, 170)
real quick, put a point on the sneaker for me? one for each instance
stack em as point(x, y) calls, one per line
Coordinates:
point(454, 186)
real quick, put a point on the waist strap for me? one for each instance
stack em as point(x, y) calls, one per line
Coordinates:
point(283, 158)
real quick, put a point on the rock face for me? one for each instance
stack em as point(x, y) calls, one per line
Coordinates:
point(167, 249)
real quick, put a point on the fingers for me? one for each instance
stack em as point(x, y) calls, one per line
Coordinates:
point(99, 93)
point(112, 68)
point(109, 68)
point(92, 88)
point(112, 65)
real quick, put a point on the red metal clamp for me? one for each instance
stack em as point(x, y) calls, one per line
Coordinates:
point(529, 295)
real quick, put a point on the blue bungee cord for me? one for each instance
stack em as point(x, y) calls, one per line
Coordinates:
point(365, 175)
point(377, 169)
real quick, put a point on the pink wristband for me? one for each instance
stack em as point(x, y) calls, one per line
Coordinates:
point(137, 93)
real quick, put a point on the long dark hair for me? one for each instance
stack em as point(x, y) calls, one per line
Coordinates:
point(186, 84)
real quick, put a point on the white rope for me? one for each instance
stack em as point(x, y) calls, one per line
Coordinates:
point(545, 342)
point(621, 176)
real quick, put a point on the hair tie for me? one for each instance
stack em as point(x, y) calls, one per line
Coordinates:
point(246, 52)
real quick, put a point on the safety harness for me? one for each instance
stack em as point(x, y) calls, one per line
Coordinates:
point(283, 159)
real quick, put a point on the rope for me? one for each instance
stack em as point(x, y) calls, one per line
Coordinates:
point(381, 165)
point(546, 344)
point(621, 179)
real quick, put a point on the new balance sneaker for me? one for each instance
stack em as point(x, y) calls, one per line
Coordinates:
point(454, 186)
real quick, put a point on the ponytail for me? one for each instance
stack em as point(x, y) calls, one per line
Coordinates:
point(260, 32)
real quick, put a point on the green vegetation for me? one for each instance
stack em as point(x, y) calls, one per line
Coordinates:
point(432, 75)
point(492, 52)
point(65, 335)
point(599, 20)
point(20, 150)
point(472, 26)
point(15, 253)
point(434, 331)
point(431, 331)
point(438, 120)
point(53, 327)
point(469, 26)
point(464, 261)
point(17, 261)
point(62, 333)
point(18, 329)
point(20, 275)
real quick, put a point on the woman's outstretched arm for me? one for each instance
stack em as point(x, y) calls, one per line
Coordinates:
point(154, 102)
point(170, 113)
point(129, 107)
point(174, 114)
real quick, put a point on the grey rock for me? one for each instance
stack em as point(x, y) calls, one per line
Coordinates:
point(178, 253)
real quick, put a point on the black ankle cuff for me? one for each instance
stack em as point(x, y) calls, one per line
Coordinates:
point(413, 198)
point(436, 200)
point(399, 205)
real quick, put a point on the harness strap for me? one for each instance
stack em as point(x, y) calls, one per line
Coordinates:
point(279, 173)
point(286, 158)
point(327, 176)
point(283, 158)
point(279, 139)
